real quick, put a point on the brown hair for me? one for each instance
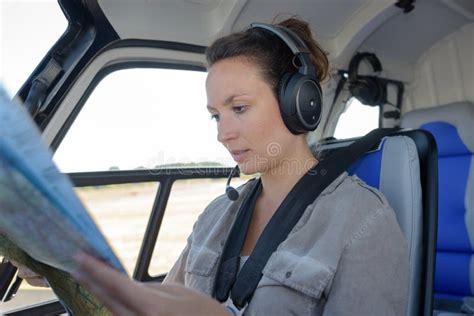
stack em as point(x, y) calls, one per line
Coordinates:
point(269, 52)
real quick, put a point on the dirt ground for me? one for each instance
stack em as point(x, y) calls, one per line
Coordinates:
point(122, 211)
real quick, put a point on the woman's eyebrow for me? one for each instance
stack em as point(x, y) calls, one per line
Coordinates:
point(228, 100)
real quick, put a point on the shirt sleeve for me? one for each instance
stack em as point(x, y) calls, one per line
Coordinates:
point(372, 274)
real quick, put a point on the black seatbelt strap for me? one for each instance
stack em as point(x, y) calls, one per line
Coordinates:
point(241, 286)
point(229, 267)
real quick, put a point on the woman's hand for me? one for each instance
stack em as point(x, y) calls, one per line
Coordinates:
point(123, 296)
point(31, 277)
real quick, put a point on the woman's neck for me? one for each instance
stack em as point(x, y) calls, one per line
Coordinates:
point(278, 181)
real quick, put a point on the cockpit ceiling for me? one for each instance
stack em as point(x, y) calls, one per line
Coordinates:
point(342, 26)
point(327, 18)
point(200, 21)
point(405, 37)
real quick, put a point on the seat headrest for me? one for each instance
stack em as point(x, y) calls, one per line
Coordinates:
point(452, 126)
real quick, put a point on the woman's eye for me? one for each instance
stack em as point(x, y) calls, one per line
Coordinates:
point(240, 108)
point(214, 117)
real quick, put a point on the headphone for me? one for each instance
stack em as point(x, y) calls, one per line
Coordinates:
point(369, 90)
point(300, 94)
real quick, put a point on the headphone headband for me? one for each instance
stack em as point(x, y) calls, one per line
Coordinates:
point(294, 43)
point(355, 62)
point(288, 36)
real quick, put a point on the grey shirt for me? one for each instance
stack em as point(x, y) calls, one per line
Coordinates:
point(345, 256)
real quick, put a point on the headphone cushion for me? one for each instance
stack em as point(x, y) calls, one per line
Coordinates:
point(282, 87)
point(369, 90)
point(361, 91)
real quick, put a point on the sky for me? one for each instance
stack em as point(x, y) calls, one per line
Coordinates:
point(134, 118)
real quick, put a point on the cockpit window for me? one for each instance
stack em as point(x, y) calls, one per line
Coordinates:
point(143, 119)
point(357, 120)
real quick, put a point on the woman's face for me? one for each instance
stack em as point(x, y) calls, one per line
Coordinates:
point(247, 115)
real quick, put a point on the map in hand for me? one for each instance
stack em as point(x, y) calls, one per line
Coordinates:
point(39, 210)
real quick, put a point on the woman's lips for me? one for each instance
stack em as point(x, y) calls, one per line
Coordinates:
point(239, 155)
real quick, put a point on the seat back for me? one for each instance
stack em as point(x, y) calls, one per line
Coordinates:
point(453, 128)
point(399, 169)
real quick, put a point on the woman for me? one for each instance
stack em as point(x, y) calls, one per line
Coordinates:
point(346, 255)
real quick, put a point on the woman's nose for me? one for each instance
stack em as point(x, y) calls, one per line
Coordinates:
point(227, 129)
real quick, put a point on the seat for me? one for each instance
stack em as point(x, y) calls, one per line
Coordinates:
point(453, 128)
point(404, 168)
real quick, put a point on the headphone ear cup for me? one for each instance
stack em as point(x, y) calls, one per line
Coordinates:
point(282, 88)
point(378, 91)
point(369, 90)
point(301, 103)
point(287, 103)
point(360, 90)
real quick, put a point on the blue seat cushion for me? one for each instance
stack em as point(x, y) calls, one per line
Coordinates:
point(452, 276)
point(447, 138)
point(453, 172)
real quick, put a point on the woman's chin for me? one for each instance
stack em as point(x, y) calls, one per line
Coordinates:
point(248, 168)
point(244, 170)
